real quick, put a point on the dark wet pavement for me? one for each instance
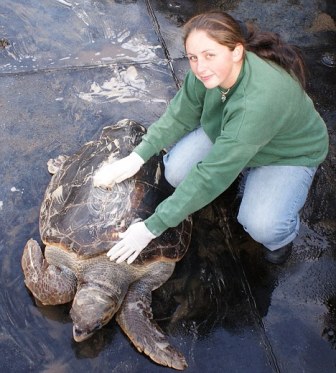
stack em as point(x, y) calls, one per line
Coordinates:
point(67, 69)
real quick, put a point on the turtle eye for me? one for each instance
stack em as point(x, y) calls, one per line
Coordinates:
point(96, 327)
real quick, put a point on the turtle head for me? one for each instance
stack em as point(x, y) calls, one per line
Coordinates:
point(92, 308)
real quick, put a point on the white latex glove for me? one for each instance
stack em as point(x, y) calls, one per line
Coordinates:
point(116, 172)
point(134, 240)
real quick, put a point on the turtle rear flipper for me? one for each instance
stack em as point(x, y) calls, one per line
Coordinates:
point(136, 320)
point(49, 284)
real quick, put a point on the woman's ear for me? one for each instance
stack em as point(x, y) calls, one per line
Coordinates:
point(238, 53)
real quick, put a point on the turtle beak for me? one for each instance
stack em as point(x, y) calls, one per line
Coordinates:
point(81, 335)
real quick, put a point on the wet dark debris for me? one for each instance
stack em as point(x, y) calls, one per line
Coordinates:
point(4, 43)
point(329, 59)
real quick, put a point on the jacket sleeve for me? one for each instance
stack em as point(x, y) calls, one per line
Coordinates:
point(182, 116)
point(205, 182)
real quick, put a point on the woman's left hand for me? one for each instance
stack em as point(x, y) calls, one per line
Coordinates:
point(134, 240)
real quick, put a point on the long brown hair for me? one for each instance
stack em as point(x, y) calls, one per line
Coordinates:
point(225, 30)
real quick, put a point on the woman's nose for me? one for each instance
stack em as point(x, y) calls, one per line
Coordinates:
point(201, 66)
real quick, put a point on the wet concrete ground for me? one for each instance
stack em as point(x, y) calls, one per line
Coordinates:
point(67, 69)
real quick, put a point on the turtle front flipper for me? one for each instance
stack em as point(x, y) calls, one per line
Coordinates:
point(49, 284)
point(136, 320)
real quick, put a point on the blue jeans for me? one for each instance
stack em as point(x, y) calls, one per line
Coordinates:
point(272, 195)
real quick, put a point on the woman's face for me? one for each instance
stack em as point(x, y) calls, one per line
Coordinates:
point(213, 64)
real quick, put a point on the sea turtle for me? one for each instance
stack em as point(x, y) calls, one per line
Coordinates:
point(79, 223)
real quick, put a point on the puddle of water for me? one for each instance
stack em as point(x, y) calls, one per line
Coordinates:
point(74, 34)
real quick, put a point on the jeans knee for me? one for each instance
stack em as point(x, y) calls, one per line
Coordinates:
point(173, 174)
point(269, 231)
point(185, 154)
point(172, 177)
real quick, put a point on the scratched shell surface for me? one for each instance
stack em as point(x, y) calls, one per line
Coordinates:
point(77, 216)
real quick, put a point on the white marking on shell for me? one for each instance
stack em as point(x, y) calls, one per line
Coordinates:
point(34, 277)
point(157, 174)
point(122, 223)
point(112, 158)
point(54, 164)
point(122, 123)
point(57, 194)
point(117, 143)
point(53, 232)
point(51, 168)
point(108, 206)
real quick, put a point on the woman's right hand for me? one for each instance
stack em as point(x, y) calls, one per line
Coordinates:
point(110, 173)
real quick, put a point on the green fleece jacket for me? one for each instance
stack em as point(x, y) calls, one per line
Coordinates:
point(267, 119)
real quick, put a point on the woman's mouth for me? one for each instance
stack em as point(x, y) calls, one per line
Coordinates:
point(205, 78)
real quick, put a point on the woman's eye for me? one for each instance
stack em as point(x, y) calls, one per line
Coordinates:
point(192, 58)
point(210, 56)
